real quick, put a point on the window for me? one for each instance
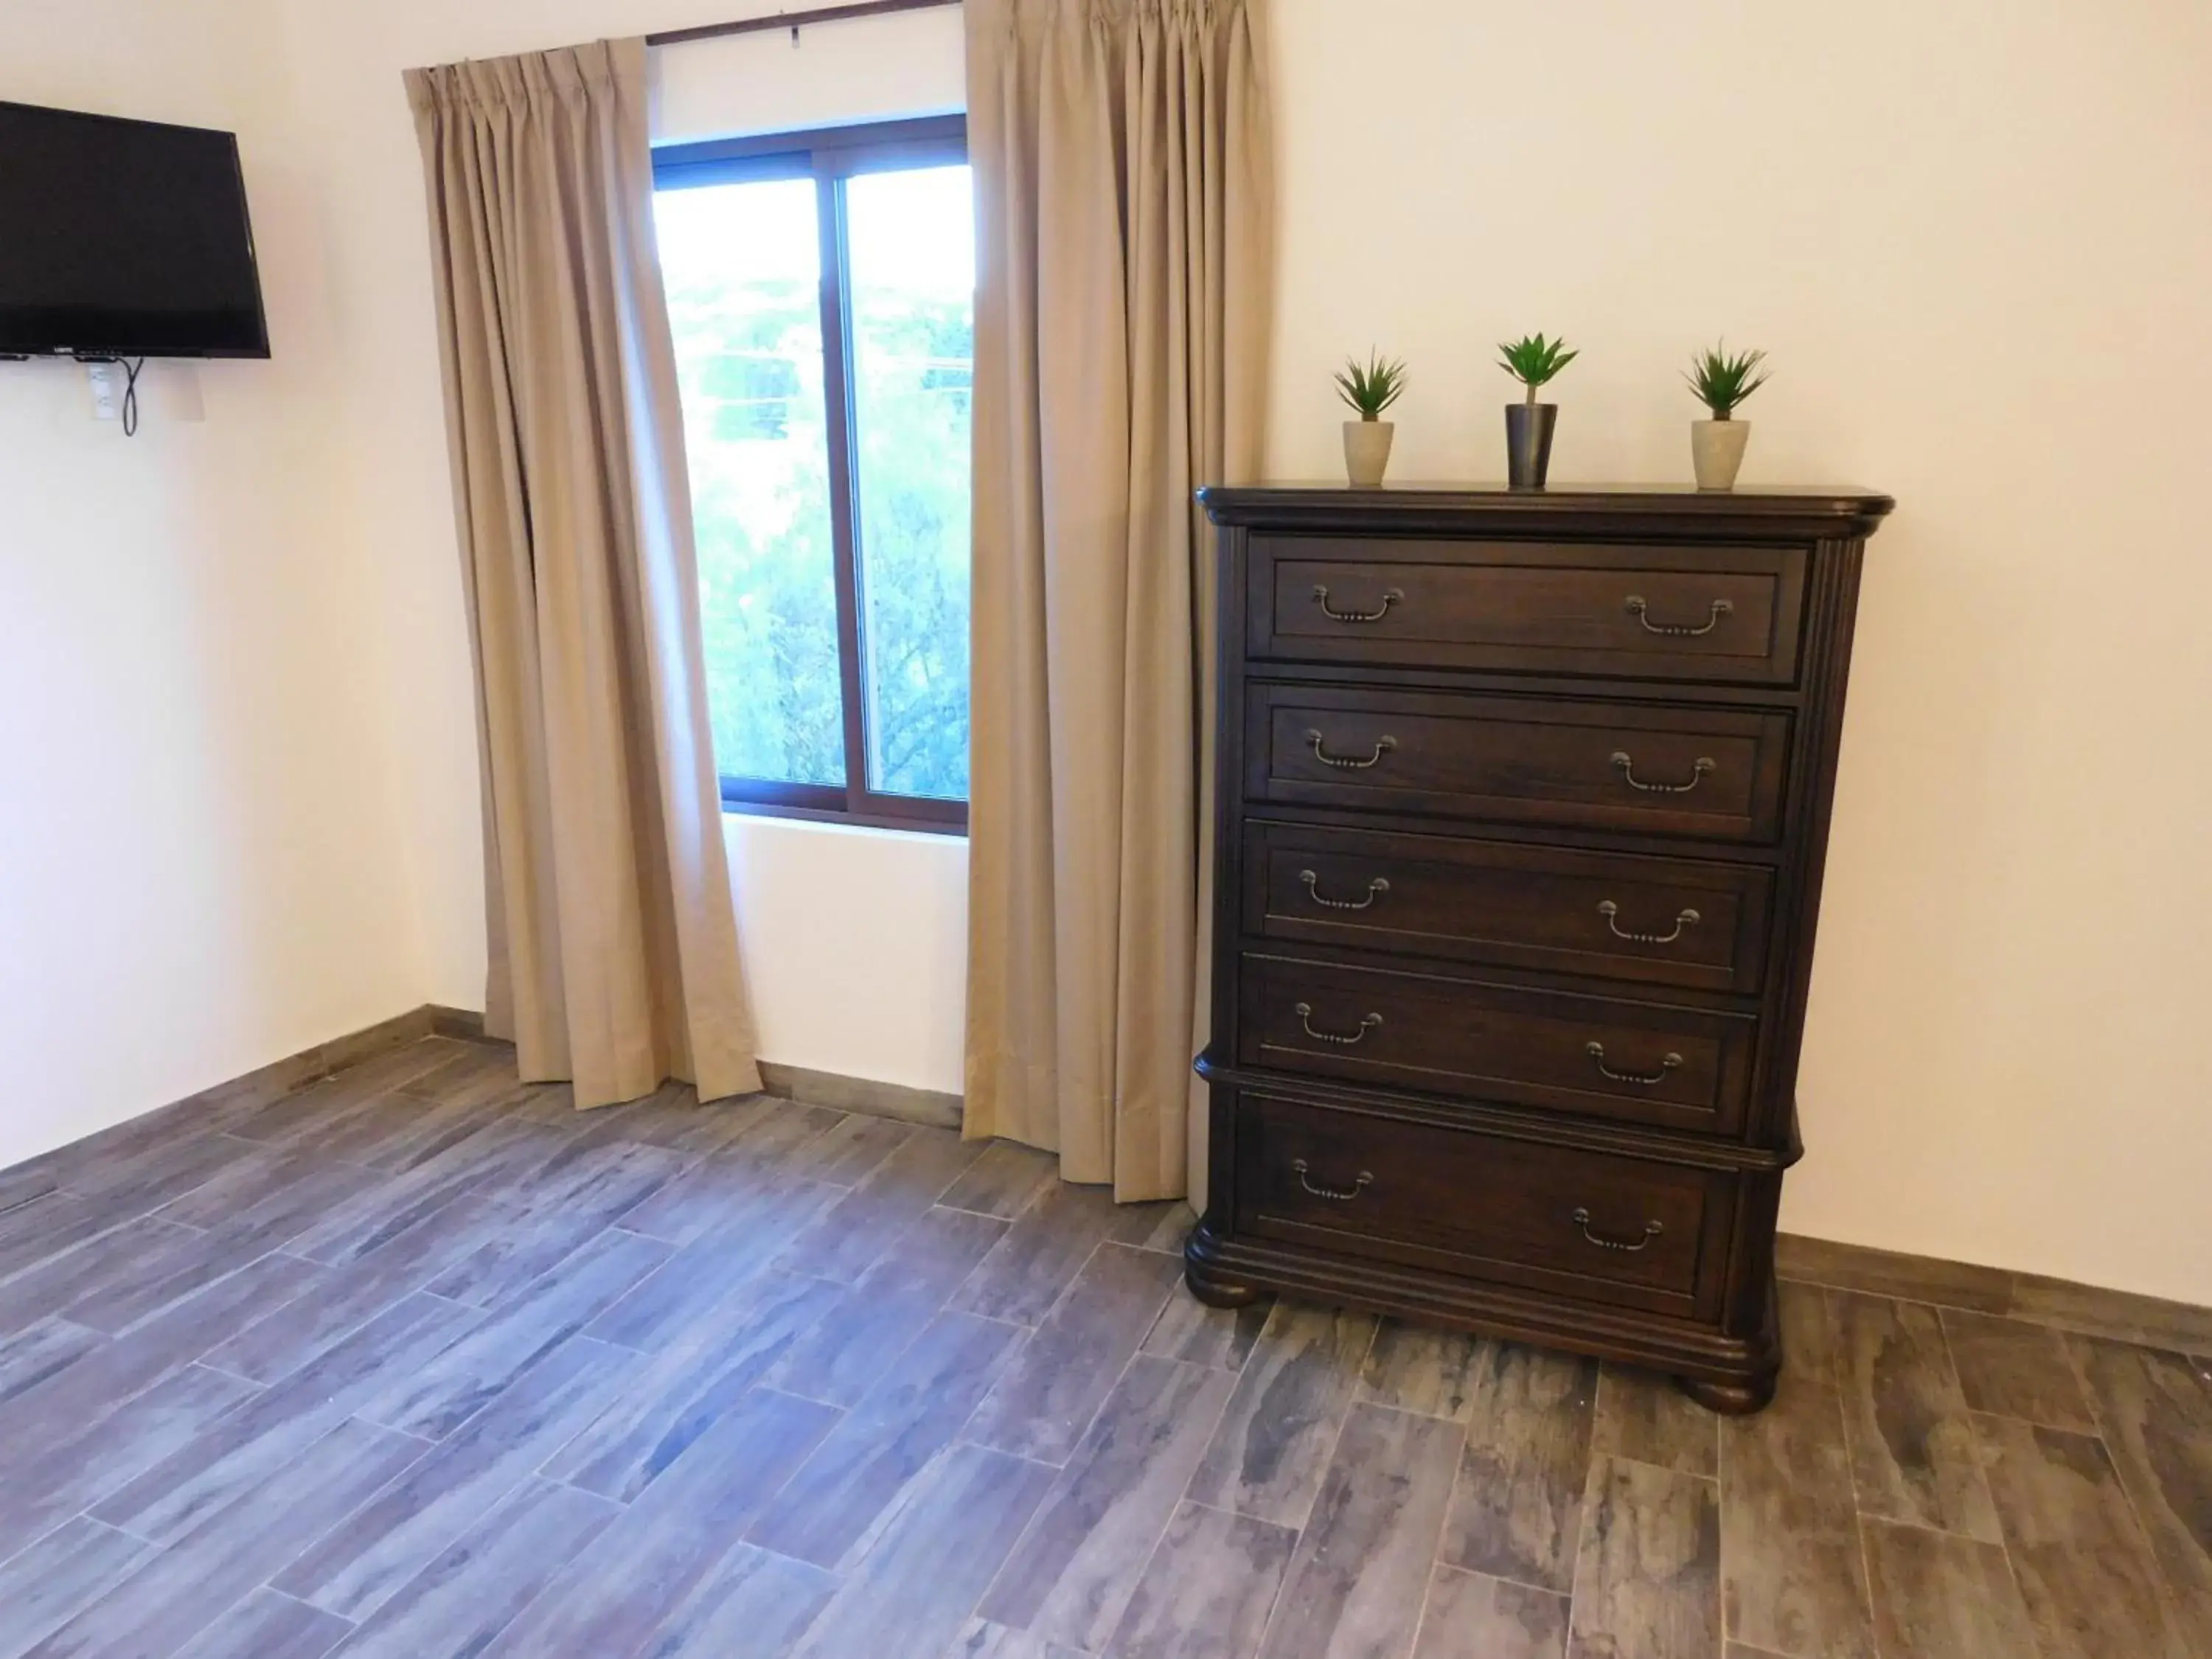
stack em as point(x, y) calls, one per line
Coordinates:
point(822, 290)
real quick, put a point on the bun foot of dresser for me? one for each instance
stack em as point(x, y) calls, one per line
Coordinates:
point(1206, 1279)
point(1730, 1399)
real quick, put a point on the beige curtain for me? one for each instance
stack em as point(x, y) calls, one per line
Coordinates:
point(614, 948)
point(1121, 158)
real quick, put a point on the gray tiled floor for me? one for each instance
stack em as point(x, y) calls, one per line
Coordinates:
point(417, 1362)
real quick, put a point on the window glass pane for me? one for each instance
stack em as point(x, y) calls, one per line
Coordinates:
point(912, 247)
point(743, 265)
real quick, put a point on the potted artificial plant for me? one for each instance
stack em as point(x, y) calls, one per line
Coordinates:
point(1721, 382)
point(1533, 361)
point(1369, 389)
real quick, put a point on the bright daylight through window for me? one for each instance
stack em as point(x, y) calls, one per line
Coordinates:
point(826, 423)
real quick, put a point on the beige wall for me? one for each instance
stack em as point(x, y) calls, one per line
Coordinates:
point(1974, 237)
point(197, 816)
point(1977, 238)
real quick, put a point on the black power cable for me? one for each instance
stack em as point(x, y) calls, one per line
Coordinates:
point(131, 395)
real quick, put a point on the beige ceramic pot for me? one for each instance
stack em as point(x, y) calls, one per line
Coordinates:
point(1717, 451)
point(1367, 450)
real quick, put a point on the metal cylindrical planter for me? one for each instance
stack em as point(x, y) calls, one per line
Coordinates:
point(1528, 443)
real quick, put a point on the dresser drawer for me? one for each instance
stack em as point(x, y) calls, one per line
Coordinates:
point(1715, 772)
point(1677, 1069)
point(1718, 614)
point(1589, 1225)
point(1610, 915)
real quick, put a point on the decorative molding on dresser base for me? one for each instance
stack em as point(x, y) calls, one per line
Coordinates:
point(1523, 802)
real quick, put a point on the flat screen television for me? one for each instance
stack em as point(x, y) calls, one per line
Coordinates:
point(123, 239)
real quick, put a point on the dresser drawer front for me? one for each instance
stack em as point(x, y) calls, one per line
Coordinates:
point(1609, 915)
point(1727, 615)
point(1715, 773)
point(1677, 1069)
point(1587, 1224)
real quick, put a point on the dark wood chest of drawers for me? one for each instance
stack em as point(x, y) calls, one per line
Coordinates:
point(1523, 800)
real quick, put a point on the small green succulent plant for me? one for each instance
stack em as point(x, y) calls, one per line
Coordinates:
point(1534, 360)
point(1370, 388)
point(1722, 381)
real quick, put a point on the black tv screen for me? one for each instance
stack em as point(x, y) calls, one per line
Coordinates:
point(123, 239)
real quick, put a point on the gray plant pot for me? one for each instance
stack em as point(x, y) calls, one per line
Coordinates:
point(1528, 443)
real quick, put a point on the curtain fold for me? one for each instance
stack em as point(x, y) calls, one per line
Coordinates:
point(1121, 159)
point(613, 937)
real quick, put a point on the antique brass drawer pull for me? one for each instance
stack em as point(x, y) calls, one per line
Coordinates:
point(1638, 609)
point(1383, 746)
point(1667, 1063)
point(1698, 767)
point(1390, 596)
point(1340, 1194)
point(1376, 889)
point(1608, 909)
point(1651, 1231)
point(1367, 1023)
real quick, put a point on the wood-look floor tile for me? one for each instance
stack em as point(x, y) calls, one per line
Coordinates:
point(51, 1226)
point(844, 1355)
point(673, 1537)
point(438, 1397)
point(1647, 1573)
point(1423, 1368)
point(180, 1275)
point(1207, 1591)
point(915, 1590)
point(295, 1331)
point(848, 1151)
point(465, 1597)
point(834, 1506)
point(710, 1268)
point(1272, 1449)
point(983, 1640)
point(2012, 1369)
point(1884, 1273)
point(2119, 1315)
point(1645, 1416)
point(356, 1567)
point(267, 1430)
point(848, 1237)
point(1055, 1385)
point(1222, 1338)
point(480, 1074)
point(1004, 1182)
point(111, 1258)
point(724, 1183)
point(1363, 1562)
point(1070, 1577)
point(182, 1589)
point(753, 1606)
point(46, 1585)
point(673, 1118)
point(52, 1481)
point(59, 1406)
point(1794, 1571)
point(2091, 1585)
point(1470, 1615)
point(1518, 1511)
point(682, 1389)
point(1913, 1456)
point(268, 1625)
point(1937, 1595)
point(2156, 1412)
point(404, 1201)
point(1040, 1256)
point(42, 1351)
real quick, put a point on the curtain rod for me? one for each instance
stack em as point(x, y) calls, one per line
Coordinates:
point(794, 21)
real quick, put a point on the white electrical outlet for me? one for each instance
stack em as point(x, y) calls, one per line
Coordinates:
point(107, 396)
